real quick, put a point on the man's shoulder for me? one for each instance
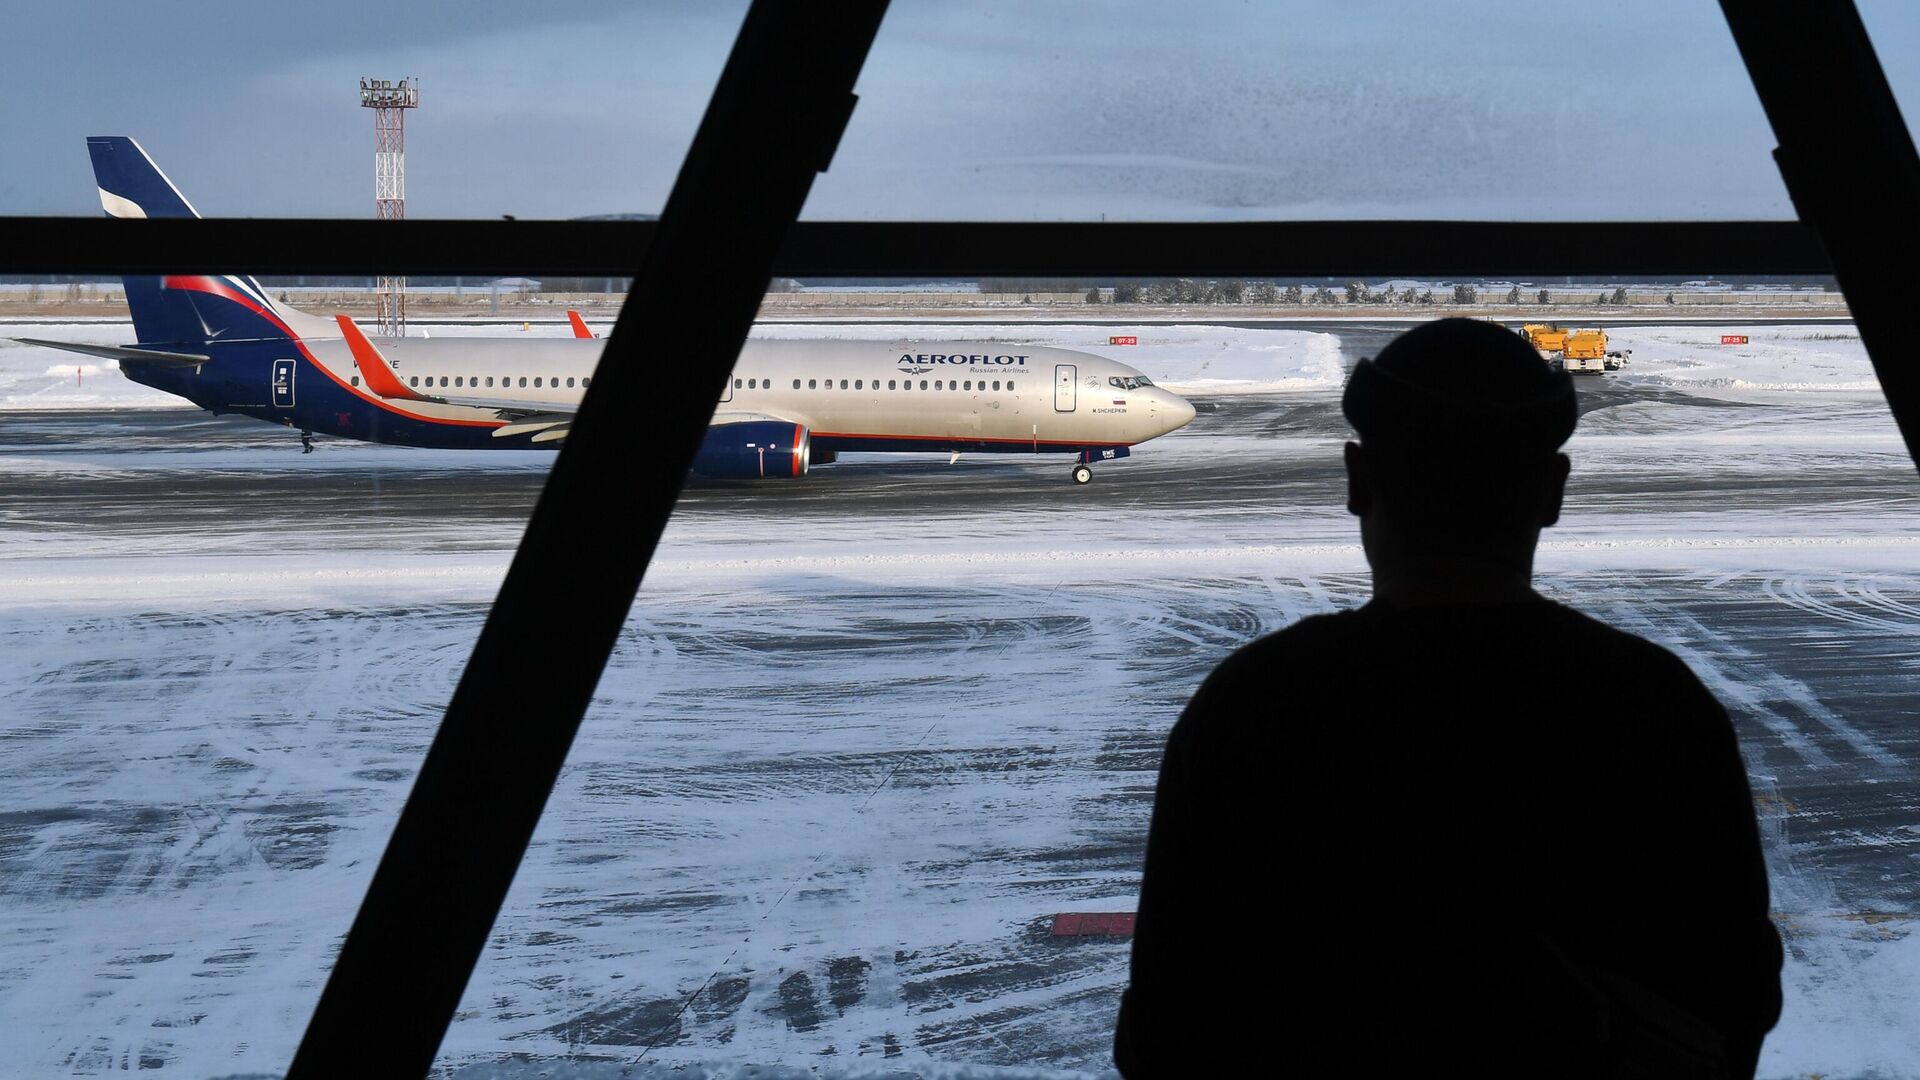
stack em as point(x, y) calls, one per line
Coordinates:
point(1316, 640)
point(1305, 642)
point(1621, 645)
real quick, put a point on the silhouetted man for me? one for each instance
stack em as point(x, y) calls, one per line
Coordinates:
point(1462, 829)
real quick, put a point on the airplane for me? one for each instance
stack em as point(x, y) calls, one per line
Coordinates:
point(223, 343)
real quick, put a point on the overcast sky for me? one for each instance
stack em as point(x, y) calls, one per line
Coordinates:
point(1018, 110)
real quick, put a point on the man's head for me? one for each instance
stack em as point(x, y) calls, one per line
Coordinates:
point(1460, 427)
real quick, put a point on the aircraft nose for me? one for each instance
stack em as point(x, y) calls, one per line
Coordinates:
point(1179, 412)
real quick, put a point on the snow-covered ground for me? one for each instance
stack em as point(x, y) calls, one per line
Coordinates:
point(1775, 359)
point(865, 732)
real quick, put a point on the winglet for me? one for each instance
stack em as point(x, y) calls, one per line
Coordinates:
point(380, 378)
point(579, 324)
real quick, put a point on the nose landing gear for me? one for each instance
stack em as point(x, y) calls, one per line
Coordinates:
point(1084, 475)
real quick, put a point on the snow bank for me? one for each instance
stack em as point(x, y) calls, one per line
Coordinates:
point(33, 377)
point(1814, 357)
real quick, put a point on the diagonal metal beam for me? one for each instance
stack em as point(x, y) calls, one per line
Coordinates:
point(774, 121)
point(928, 248)
point(1849, 164)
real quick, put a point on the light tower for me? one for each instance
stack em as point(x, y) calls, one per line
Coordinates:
point(390, 102)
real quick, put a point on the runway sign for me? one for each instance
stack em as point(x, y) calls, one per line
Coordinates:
point(1117, 924)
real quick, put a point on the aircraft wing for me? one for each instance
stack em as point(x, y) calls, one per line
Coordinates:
point(120, 352)
point(725, 416)
point(546, 421)
point(550, 423)
point(507, 407)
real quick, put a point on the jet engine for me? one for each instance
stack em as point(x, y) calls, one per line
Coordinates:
point(752, 449)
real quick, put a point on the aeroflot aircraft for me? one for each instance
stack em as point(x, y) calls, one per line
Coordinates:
point(224, 344)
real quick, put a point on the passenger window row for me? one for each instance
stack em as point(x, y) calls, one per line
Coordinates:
point(474, 381)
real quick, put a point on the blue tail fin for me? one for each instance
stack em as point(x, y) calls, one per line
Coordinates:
point(184, 309)
point(131, 185)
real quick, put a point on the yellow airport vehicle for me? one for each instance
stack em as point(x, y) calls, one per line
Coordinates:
point(1585, 353)
point(1577, 352)
point(1545, 336)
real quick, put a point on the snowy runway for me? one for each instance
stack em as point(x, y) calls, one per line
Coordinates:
point(865, 732)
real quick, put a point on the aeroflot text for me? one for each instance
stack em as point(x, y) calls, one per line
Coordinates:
point(960, 358)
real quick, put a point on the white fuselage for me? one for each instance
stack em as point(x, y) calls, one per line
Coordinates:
point(852, 392)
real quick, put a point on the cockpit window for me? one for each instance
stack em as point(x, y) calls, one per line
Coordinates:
point(1129, 382)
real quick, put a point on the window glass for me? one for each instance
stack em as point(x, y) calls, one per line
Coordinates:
point(1653, 538)
point(1463, 110)
point(796, 384)
point(815, 921)
point(1296, 110)
point(1894, 27)
point(521, 110)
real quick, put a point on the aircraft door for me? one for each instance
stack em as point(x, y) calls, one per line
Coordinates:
point(726, 392)
point(283, 384)
point(1064, 377)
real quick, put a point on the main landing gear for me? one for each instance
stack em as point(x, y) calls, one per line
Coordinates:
point(1082, 474)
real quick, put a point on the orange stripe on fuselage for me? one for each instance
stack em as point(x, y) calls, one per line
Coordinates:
point(967, 438)
point(381, 379)
point(383, 404)
point(202, 283)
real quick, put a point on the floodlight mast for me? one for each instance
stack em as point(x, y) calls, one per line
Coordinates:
point(390, 102)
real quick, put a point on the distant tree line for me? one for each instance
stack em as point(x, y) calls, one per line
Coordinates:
point(1356, 292)
point(1233, 291)
point(1026, 286)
